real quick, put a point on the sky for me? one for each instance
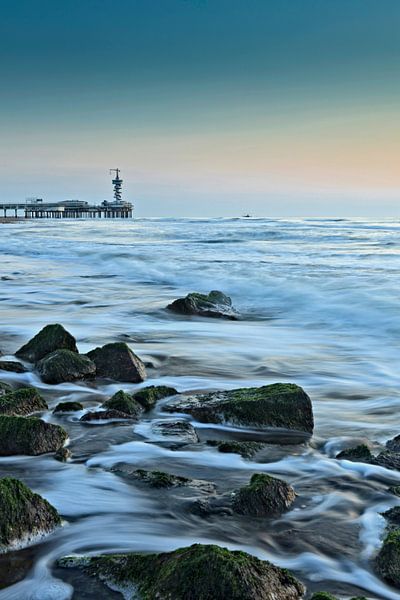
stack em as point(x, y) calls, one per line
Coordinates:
point(208, 107)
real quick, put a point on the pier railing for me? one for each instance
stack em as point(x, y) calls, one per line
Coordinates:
point(67, 210)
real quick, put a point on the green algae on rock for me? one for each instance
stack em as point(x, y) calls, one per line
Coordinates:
point(23, 401)
point(117, 361)
point(28, 435)
point(105, 415)
point(284, 405)
point(12, 366)
point(245, 449)
point(4, 388)
point(23, 514)
point(68, 407)
point(148, 396)
point(50, 338)
point(215, 304)
point(359, 453)
point(387, 563)
point(197, 572)
point(65, 365)
point(323, 596)
point(264, 496)
point(159, 479)
point(124, 403)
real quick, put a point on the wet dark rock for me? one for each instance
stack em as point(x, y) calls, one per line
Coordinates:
point(117, 361)
point(63, 454)
point(387, 563)
point(4, 388)
point(65, 365)
point(28, 435)
point(23, 514)
point(198, 572)
point(359, 453)
point(148, 396)
point(395, 489)
point(323, 596)
point(161, 479)
point(50, 338)
point(264, 496)
point(215, 304)
point(12, 366)
point(124, 403)
point(215, 506)
point(392, 515)
point(68, 407)
point(392, 445)
point(23, 401)
point(245, 449)
point(387, 459)
point(284, 405)
point(180, 431)
point(104, 415)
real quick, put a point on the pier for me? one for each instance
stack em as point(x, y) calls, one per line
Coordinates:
point(36, 208)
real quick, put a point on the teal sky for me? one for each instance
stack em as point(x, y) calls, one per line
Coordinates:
point(274, 107)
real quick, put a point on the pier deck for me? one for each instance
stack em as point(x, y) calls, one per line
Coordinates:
point(67, 210)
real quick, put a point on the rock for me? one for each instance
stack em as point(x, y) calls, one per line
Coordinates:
point(160, 479)
point(117, 361)
point(359, 453)
point(387, 459)
point(245, 449)
point(63, 454)
point(23, 514)
point(104, 415)
point(68, 407)
point(50, 338)
point(393, 445)
point(4, 388)
point(124, 403)
point(215, 304)
point(264, 496)
point(323, 596)
point(200, 572)
point(65, 365)
point(387, 563)
point(28, 435)
point(148, 396)
point(178, 431)
point(395, 489)
point(23, 401)
point(12, 366)
point(392, 515)
point(283, 405)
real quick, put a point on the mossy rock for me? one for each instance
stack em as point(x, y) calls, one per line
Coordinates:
point(387, 563)
point(283, 405)
point(124, 403)
point(245, 449)
point(159, 479)
point(117, 361)
point(68, 407)
point(264, 496)
point(23, 401)
point(215, 304)
point(65, 365)
point(323, 596)
point(23, 514)
point(392, 515)
point(28, 435)
point(359, 453)
point(63, 454)
point(104, 415)
point(12, 366)
point(50, 338)
point(395, 489)
point(148, 396)
point(198, 572)
point(5, 388)
point(178, 431)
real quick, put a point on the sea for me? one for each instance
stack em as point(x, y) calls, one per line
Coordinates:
point(319, 306)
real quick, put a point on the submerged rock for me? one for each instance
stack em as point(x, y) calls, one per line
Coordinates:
point(117, 361)
point(215, 304)
point(245, 449)
point(104, 415)
point(63, 454)
point(23, 514)
point(264, 496)
point(148, 396)
point(124, 403)
point(156, 479)
point(359, 453)
point(284, 405)
point(50, 338)
point(68, 407)
point(395, 489)
point(65, 365)
point(12, 366)
point(387, 563)
point(198, 572)
point(23, 401)
point(28, 435)
point(177, 431)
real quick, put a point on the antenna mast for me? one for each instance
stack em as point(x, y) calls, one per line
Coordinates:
point(117, 184)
